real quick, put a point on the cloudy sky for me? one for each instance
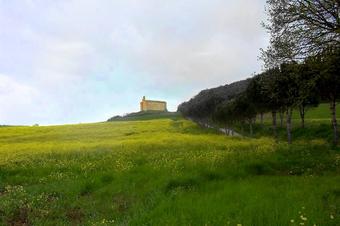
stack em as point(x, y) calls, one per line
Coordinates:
point(71, 61)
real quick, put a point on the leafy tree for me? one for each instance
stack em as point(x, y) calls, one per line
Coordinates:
point(202, 109)
point(282, 111)
point(271, 93)
point(255, 95)
point(300, 29)
point(203, 105)
point(225, 114)
point(289, 93)
point(329, 83)
point(244, 111)
point(307, 90)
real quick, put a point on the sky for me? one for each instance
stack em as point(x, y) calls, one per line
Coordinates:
point(77, 61)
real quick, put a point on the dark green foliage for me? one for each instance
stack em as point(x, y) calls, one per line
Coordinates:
point(202, 106)
point(308, 95)
point(328, 67)
point(255, 93)
point(225, 114)
point(271, 90)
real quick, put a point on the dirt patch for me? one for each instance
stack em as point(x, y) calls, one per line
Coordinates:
point(122, 202)
point(19, 218)
point(2, 191)
point(75, 216)
point(186, 184)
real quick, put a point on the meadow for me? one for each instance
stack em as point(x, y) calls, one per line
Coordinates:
point(167, 171)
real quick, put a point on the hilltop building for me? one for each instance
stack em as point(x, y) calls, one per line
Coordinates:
point(152, 105)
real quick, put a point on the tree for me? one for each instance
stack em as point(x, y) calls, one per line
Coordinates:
point(289, 93)
point(271, 93)
point(282, 111)
point(240, 109)
point(255, 95)
point(300, 29)
point(244, 111)
point(306, 27)
point(307, 91)
point(203, 105)
point(202, 109)
point(328, 66)
point(225, 115)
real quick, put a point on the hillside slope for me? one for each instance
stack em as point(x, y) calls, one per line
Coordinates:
point(147, 115)
point(162, 172)
point(201, 104)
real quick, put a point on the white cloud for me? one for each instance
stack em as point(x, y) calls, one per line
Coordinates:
point(67, 55)
point(16, 99)
point(63, 61)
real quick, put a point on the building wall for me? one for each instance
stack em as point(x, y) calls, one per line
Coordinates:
point(147, 105)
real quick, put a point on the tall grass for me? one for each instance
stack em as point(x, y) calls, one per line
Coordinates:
point(163, 172)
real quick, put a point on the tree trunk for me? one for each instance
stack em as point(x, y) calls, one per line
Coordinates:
point(281, 118)
point(289, 125)
point(227, 130)
point(302, 115)
point(274, 124)
point(334, 122)
point(261, 118)
point(251, 127)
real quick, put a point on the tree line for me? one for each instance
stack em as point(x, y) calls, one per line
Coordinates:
point(202, 106)
point(302, 69)
point(280, 90)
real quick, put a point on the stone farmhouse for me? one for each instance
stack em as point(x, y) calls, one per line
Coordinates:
point(152, 105)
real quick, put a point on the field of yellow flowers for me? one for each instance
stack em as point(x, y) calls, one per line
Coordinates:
point(163, 172)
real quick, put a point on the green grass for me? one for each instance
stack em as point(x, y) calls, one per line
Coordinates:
point(163, 172)
point(317, 126)
point(147, 115)
point(321, 112)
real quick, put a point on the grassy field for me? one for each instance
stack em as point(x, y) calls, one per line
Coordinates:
point(165, 172)
point(321, 112)
point(317, 126)
point(140, 116)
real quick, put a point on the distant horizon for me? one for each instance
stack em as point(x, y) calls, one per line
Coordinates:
point(65, 63)
point(122, 114)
